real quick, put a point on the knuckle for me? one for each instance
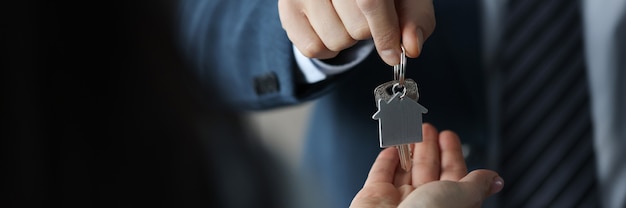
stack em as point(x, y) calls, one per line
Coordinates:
point(314, 49)
point(455, 168)
point(386, 40)
point(338, 44)
point(360, 32)
point(367, 5)
point(426, 161)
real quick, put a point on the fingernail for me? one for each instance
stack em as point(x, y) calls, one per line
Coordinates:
point(497, 185)
point(391, 56)
point(420, 39)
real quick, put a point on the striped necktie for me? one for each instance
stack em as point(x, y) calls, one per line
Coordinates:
point(546, 134)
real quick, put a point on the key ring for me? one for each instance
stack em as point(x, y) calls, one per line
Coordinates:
point(396, 86)
point(400, 69)
point(398, 74)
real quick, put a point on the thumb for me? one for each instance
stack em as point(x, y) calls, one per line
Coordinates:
point(417, 23)
point(484, 183)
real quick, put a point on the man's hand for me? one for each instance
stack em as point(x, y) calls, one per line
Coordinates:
point(438, 178)
point(321, 29)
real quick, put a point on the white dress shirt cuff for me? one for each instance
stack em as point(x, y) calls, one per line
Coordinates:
point(316, 70)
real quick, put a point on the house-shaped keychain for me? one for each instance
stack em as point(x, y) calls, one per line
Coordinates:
point(399, 120)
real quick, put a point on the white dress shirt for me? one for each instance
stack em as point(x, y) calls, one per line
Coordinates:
point(605, 42)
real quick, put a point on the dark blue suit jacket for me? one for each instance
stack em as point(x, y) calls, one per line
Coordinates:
point(241, 46)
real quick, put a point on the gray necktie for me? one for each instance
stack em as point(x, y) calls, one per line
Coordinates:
point(546, 146)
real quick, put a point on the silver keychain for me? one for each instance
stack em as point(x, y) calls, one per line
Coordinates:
point(399, 115)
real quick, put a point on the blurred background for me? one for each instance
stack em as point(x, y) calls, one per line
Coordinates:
point(282, 130)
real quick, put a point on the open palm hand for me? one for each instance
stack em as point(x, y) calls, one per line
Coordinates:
point(438, 177)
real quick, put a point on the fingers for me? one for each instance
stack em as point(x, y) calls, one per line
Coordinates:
point(314, 28)
point(426, 157)
point(300, 32)
point(353, 19)
point(384, 168)
point(410, 22)
point(383, 22)
point(327, 25)
point(453, 166)
point(321, 29)
point(403, 177)
point(417, 20)
point(481, 184)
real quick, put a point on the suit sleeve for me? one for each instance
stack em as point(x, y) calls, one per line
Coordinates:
point(240, 47)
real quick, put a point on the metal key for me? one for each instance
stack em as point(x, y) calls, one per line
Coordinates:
point(399, 115)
